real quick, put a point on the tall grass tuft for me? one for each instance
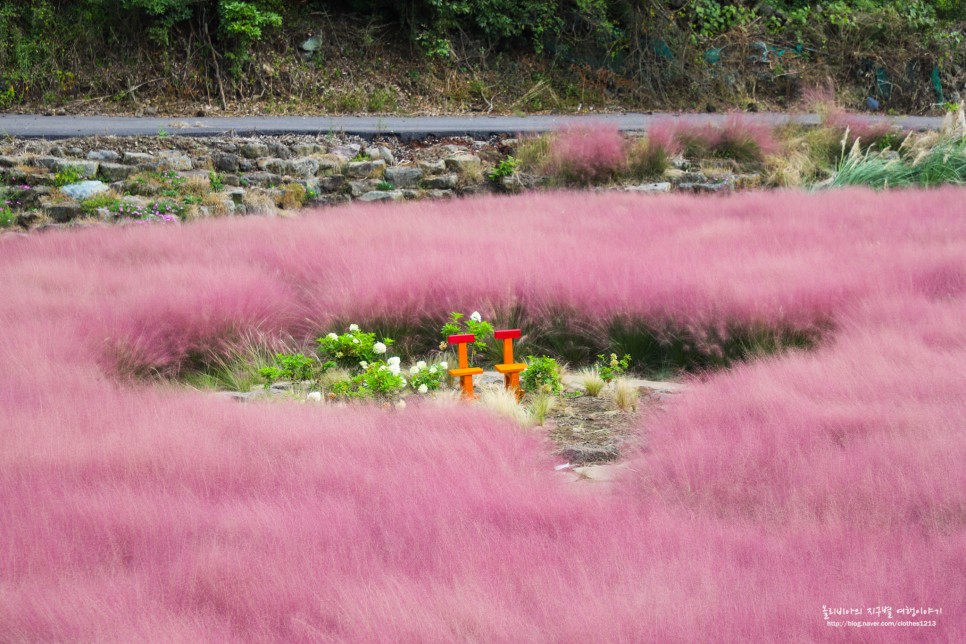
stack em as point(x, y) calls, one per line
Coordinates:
point(586, 154)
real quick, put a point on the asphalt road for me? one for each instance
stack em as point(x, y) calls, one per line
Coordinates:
point(415, 127)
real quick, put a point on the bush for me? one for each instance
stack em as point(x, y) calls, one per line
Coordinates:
point(349, 349)
point(541, 376)
point(584, 155)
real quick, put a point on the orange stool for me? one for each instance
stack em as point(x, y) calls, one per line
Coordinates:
point(465, 372)
point(510, 369)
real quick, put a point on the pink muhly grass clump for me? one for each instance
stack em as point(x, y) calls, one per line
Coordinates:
point(141, 510)
point(585, 154)
point(867, 130)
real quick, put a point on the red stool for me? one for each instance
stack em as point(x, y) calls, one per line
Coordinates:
point(510, 369)
point(464, 372)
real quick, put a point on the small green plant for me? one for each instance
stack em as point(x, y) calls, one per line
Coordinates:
point(540, 407)
point(592, 382)
point(162, 133)
point(361, 156)
point(102, 200)
point(425, 378)
point(311, 195)
point(474, 324)
point(67, 175)
point(542, 375)
point(216, 180)
point(611, 367)
point(504, 168)
point(7, 218)
point(191, 200)
point(296, 367)
point(379, 379)
point(385, 185)
point(354, 347)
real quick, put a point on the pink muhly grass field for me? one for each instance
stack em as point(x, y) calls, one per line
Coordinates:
point(134, 511)
point(737, 137)
point(587, 153)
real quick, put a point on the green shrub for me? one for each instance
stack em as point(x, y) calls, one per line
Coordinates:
point(296, 367)
point(542, 375)
point(102, 200)
point(504, 168)
point(611, 367)
point(379, 379)
point(66, 176)
point(349, 349)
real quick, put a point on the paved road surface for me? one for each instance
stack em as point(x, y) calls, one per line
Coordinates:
point(56, 127)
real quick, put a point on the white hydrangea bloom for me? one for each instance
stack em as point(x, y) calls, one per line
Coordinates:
point(355, 340)
point(421, 364)
point(364, 364)
point(413, 370)
point(332, 336)
point(423, 389)
point(353, 328)
point(476, 317)
point(393, 360)
point(433, 370)
point(378, 348)
point(314, 396)
point(443, 365)
point(394, 369)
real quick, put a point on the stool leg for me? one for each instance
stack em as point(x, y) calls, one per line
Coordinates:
point(467, 383)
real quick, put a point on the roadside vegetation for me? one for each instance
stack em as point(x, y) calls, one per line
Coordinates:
point(276, 56)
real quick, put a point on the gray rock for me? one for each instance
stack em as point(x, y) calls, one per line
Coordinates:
point(85, 169)
point(347, 151)
point(724, 186)
point(137, 158)
point(271, 164)
point(330, 164)
point(9, 162)
point(411, 195)
point(404, 177)
point(359, 188)
point(84, 189)
point(225, 162)
point(305, 149)
point(304, 167)
point(441, 194)
point(382, 195)
point(381, 152)
point(75, 152)
point(366, 169)
point(57, 151)
point(231, 180)
point(254, 150)
point(176, 161)
point(589, 453)
point(335, 183)
point(279, 150)
point(261, 179)
point(62, 212)
point(116, 171)
point(237, 195)
point(432, 167)
point(442, 182)
point(46, 162)
point(463, 163)
point(663, 186)
point(110, 156)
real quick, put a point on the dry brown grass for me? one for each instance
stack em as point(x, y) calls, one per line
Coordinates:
point(292, 197)
point(259, 202)
point(218, 205)
point(198, 186)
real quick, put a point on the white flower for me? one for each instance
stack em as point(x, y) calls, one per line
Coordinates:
point(443, 365)
point(394, 369)
point(401, 405)
point(314, 396)
point(353, 328)
point(355, 340)
point(476, 317)
point(364, 364)
point(413, 370)
point(433, 370)
point(393, 360)
point(332, 336)
point(382, 367)
point(378, 347)
point(421, 364)
point(338, 354)
point(423, 389)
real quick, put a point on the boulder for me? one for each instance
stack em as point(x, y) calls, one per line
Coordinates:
point(464, 164)
point(432, 167)
point(110, 156)
point(335, 183)
point(366, 169)
point(116, 171)
point(305, 149)
point(254, 150)
point(381, 152)
point(442, 182)
point(137, 158)
point(84, 189)
point(330, 164)
point(225, 162)
point(62, 212)
point(303, 167)
point(382, 195)
point(347, 151)
point(85, 169)
point(176, 161)
point(404, 177)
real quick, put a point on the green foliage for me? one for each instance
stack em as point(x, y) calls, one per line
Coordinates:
point(66, 176)
point(353, 347)
point(504, 168)
point(379, 379)
point(100, 200)
point(712, 17)
point(428, 376)
point(216, 180)
point(474, 324)
point(296, 367)
point(611, 367)
point(7, 218)
point(385, 185)
point(542, 375)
